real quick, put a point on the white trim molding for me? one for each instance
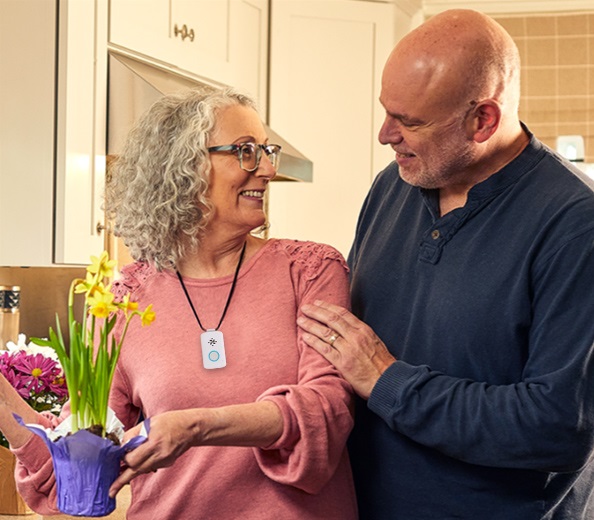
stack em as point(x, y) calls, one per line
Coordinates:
point(432, 7)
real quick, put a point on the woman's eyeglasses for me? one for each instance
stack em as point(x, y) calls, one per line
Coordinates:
point(249, 154)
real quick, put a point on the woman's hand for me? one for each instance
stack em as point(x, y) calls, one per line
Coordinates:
point(173, 433)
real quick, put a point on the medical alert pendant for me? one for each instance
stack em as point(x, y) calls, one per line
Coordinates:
point(213, 349)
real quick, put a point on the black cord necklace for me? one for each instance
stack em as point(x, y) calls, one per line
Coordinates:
point(211, 340)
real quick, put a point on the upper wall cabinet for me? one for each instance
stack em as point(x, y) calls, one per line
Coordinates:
point(220, 41)
point(52, 130)
point(327, 58)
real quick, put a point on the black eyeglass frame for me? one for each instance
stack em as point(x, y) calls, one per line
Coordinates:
point(237, 149)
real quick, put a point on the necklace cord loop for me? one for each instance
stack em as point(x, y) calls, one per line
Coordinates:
point(228, 297)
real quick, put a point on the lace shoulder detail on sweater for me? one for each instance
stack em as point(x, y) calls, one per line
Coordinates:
point(132, 277)
point(309, 256)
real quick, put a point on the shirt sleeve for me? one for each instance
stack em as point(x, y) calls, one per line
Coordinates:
point(543, 422)
point(34, 472)
point(317, 411)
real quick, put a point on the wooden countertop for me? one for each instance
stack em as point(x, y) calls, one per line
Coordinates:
point(123, 501)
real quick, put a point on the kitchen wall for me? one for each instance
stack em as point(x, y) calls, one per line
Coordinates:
point(557, 52)
point(44, 292)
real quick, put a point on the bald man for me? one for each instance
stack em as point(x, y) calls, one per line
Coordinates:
point(471, 345)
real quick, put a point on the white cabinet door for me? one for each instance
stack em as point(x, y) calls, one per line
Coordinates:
point(27, 132)
point(248, 49)
point(80, 130)
point(220, 41)
point(52, 145)
point(140, 25)
point(326, 62)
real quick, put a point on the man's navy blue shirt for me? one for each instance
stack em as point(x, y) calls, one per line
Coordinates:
point(489, 411)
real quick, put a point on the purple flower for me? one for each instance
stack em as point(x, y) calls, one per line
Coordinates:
point(38, 379)
point(37, 371)
point(17, 381)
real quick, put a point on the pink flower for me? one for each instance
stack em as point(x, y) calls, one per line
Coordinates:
point(18, 383)
point(37, 370)
point(37, 378)
point(58, 385)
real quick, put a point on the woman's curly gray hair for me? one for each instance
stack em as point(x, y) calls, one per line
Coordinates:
point(157, 191)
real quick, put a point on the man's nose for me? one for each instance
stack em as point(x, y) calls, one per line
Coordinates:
point(390, 132)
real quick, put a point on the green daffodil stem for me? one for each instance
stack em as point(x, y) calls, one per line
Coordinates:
point(89, 363)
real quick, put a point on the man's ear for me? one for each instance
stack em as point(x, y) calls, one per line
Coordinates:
point(484, 120)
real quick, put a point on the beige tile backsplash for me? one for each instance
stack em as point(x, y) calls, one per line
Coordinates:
point(557, 52)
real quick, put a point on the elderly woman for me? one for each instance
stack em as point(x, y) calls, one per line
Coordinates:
point(246, 420)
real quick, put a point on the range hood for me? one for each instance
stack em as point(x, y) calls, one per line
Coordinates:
point(135, 85)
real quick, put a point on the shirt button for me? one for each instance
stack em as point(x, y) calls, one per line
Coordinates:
point(435, 234)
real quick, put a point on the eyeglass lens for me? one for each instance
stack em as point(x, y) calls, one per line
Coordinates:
point(250, 155)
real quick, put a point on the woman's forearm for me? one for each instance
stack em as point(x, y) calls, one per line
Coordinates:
point(252, 424)
point(11, 402)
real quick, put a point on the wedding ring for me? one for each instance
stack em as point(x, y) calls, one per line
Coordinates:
point(332, 339)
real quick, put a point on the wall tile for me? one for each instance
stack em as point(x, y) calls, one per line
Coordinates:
point(549, 141)
point(573, 81)
point(589, 145)
point(548, 130)
point(571, 25)
point(571, 110)
point(515, 26)
point(573, 50)
point(557, 96)
point(540, 52)
point(573, 129)
point(542, 82)
point(541, 25)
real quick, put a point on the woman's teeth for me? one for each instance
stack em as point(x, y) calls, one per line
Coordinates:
point(252, 193)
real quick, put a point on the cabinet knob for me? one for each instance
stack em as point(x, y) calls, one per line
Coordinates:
point(101, 227)
point(183, 32)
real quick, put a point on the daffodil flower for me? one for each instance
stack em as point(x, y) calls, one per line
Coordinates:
point(101, 304)
point(128, 306)
point(102, 266)
point(84, 286)
point(148, 316)
point(89, 361)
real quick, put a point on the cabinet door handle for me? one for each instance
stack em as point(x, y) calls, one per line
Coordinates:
point(183, 32)
point(100, 228)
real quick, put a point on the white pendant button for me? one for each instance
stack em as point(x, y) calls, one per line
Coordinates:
point(213, 349)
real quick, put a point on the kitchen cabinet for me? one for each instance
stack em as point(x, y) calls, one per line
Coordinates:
point(219, 41)
point(52, 130)
point(326, 62)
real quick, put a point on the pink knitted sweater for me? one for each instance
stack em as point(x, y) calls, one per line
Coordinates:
point(306, 473)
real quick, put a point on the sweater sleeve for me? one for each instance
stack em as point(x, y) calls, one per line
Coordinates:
point(34, 472)
point(543, 422)
point(317, 411)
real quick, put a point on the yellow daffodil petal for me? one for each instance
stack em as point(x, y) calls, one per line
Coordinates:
point(101, 303)
point(148, 316)
point(128, 306)
point(85, 285)
point(100, 310)
point(95, 264)
point(102, 266)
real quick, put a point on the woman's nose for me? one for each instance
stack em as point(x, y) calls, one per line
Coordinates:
point(265, 168)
